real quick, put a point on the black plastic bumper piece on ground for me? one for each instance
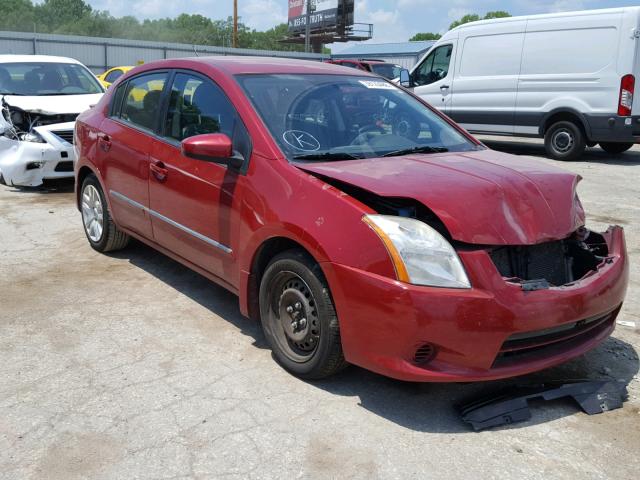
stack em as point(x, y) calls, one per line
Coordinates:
point(510, 407)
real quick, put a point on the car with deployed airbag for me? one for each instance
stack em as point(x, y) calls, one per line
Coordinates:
point(354, 221)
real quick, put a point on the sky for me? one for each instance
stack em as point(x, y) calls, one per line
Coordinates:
point(394, 21)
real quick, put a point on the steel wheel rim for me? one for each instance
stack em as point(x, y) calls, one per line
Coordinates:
point(92, 213)
point(293, 317)
point(563, 140)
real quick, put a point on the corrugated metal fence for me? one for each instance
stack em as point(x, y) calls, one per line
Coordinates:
point(100, 54)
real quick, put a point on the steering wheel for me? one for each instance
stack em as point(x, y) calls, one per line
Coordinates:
point(366, 133)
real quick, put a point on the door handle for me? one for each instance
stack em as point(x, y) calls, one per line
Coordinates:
point(444, 87)
point(159, 171)
point(105, 142)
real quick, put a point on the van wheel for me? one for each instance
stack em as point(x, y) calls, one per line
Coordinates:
point(564, 141)
point(101, 231)
point(615, 148)
point(298, 317)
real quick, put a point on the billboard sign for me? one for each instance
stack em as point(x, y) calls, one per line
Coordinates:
point(324, 14)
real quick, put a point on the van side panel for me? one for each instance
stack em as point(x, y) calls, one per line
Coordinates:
point(569, 63)
point(488, 64)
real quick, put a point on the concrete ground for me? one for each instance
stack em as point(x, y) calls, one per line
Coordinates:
point(130, 366)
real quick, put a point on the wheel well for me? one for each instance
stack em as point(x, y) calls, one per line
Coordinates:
point(82, 174)
point(265, 253)
point(566, 117)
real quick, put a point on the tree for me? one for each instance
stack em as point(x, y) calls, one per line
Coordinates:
point(497, 14)
point(425, 36)
point(474, 17)
point(16, 15)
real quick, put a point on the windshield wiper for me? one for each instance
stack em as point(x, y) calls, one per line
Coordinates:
point(328, 156)
point(420, 149)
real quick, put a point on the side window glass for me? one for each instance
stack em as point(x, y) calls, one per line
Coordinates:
point(143, 95)
point(116, 100)
point(435, 67)
point(113, 76)
point(197, 107)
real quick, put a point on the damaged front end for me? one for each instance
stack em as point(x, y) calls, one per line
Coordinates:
point(35, 146)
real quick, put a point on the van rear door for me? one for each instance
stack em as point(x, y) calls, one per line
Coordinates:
point(487, 69)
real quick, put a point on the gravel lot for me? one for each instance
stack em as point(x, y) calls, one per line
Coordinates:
point(131, 366)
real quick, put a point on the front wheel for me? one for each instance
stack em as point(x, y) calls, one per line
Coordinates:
point(298, 317)
point(101, 231)
point(615, 148)
point(564, 141)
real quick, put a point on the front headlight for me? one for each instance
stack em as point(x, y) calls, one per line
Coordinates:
point(32, 136)
point(421, 255)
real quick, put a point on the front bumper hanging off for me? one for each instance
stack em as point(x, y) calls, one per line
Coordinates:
point(28, 164)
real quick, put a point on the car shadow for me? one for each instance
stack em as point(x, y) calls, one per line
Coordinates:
point(62, 185)
point(423, 407)
point(591, 155)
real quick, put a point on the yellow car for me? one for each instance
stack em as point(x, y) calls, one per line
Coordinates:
point(110, 76)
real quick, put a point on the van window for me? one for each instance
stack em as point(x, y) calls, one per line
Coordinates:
point(490, 55)
point(569, 51)
point(435, 67)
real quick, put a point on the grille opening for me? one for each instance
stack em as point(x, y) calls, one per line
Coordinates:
point(66, 135)
point(64, 166)
point(424, 354)
point(529, 346)
point(559, 262)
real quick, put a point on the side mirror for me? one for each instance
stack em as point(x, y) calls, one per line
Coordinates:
point(405, 78)
point(212, 147)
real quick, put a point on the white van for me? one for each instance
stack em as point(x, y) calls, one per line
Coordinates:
point(567, 77)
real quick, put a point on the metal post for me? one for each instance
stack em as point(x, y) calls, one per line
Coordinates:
point(235, 23)
point(307, 28)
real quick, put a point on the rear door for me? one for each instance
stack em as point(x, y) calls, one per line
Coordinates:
point(572, 62)
point(486, 82)
point(191, 200)
point(123, 146)
point(433, 78)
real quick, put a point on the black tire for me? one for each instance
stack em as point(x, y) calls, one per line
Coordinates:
point(2, 180)
point(564, 141)
point(111, 238)
point(293, 289)
point(615, 148)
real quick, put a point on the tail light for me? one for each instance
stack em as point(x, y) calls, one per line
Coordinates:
point(627, 86)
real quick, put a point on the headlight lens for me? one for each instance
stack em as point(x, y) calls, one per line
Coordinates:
point(32, 136)
point(419, 253)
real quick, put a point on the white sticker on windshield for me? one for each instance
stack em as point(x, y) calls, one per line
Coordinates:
point(377, 84)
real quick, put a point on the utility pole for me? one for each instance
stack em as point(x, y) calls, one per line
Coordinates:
point(235, 23)
point(307, 27)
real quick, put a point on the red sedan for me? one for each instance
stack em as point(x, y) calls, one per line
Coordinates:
point(358, 224)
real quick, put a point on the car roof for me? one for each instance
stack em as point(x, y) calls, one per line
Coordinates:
point(36, 59)
point(235, 65)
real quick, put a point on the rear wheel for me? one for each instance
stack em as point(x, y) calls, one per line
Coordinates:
point(615, 148)
point(298, 317)
point(101, 231)
point(564, 140)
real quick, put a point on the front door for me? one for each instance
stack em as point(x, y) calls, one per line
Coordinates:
point(433, 78)
point(191, 200)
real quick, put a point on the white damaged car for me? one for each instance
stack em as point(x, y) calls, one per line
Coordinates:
point(40, 98)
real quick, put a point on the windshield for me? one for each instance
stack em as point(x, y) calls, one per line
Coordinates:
point(386, 70)
point(333, 117)
point(38, 79)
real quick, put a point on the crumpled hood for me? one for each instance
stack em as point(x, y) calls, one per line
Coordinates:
point(54, 104)
point(482, 197)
